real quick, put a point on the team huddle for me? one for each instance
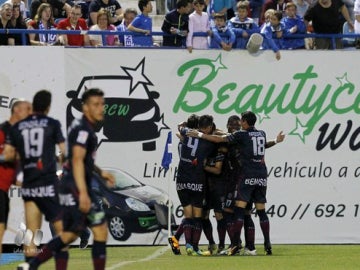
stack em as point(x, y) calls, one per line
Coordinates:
point(226, 172)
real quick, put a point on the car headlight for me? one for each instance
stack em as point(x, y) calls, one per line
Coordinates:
point(136, 205)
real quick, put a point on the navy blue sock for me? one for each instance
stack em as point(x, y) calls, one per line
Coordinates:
point(265, 227)
point(98, 253)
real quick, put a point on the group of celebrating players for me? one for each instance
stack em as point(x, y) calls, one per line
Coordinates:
point(226, 172)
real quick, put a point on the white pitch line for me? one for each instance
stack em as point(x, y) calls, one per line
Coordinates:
point(156, 254)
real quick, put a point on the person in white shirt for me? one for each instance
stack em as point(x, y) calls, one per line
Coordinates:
point(198, 22)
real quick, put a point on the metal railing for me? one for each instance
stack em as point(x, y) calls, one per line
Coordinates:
point(104, 33)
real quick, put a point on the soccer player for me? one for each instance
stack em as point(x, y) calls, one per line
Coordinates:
point(19, 110)
point(191, 122)
point(81, 208)
point(34, 139)
point(215, 196)
point(190, 183)
point(252, 181)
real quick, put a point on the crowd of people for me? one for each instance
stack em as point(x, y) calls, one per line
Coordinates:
point(224, 171)
point(192, 24)
point(30, 141)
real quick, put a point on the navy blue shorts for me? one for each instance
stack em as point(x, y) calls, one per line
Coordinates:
point(46, 199)
point(252, 190)
point(190, 197)
point(215, 196)
point(73, 219)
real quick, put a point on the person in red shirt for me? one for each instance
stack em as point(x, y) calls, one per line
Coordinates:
point(20, 110)
point(74, 22)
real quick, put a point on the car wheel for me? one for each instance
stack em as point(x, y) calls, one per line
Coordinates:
point(118, 229)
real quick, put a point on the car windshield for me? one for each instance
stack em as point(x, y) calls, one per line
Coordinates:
point(116, 88)
point(124, 180)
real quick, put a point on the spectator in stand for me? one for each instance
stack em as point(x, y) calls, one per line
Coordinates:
point(58, 7)
point(103, 24)
point(6, 12)
point(74, 22)
point(273, 33)
point(325, 18)
point(198, 22)
point(301, 7)
point(18, 22)
point(357, 22)
point(176, 25)
point(256, 8)
point(217, 6)
point(21, 5)
point(129, 16)
point(142, 25)
point(222, 36)
point(267, 16)
point(294, 24)
point(242, 25)
point(43, 21)
point(279, 5)
point(113, 6)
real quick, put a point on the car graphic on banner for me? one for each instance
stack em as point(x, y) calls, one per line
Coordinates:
point(131, 111)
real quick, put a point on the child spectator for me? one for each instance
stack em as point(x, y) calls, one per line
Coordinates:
point(198, 22)
point(294, 24)
point(242, 25)
point(222, 36)
point(142, 25)
point(273, 33)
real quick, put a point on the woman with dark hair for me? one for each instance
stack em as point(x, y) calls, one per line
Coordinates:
point(18, 22)
point(44, 20)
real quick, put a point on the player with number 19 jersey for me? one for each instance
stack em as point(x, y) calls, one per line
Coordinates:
point(35, 138)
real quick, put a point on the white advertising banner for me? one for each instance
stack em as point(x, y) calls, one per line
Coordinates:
point(313, 96)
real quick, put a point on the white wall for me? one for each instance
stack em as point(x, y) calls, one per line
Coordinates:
point(302, 94)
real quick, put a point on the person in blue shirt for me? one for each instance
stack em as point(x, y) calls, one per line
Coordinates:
point(294, 24)
point(217, 6)
point(142, 25)
point(273, 33)
point(223, 37)
point(242, 25)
